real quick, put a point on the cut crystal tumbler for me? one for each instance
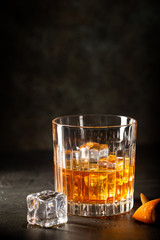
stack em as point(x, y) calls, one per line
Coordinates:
point(94, 163)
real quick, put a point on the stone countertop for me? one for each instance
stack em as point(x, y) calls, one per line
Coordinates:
point(27, 172)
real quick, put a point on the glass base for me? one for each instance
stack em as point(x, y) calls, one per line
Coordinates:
point(100, 210)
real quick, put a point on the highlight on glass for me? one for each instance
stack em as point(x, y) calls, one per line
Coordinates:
point(94, 163)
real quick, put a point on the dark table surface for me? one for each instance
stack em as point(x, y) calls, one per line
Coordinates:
point(27, 172)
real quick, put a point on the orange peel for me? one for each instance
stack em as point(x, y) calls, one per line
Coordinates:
point(146, 212)
point(144, 199)
point(90, 145)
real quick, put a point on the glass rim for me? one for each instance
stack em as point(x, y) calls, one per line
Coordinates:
point(94, 115)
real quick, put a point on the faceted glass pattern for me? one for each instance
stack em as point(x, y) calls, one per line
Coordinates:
point(95, 164)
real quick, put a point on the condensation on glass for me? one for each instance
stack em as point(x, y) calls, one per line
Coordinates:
point(94, 163)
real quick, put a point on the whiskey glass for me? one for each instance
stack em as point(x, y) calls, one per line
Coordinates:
point(94, 163)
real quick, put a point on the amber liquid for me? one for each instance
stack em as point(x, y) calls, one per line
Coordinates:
point(98, 183)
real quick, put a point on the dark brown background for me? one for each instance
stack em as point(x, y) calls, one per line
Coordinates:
point(75, 57)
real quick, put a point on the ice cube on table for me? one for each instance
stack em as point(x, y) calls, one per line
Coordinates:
point(47, 208)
